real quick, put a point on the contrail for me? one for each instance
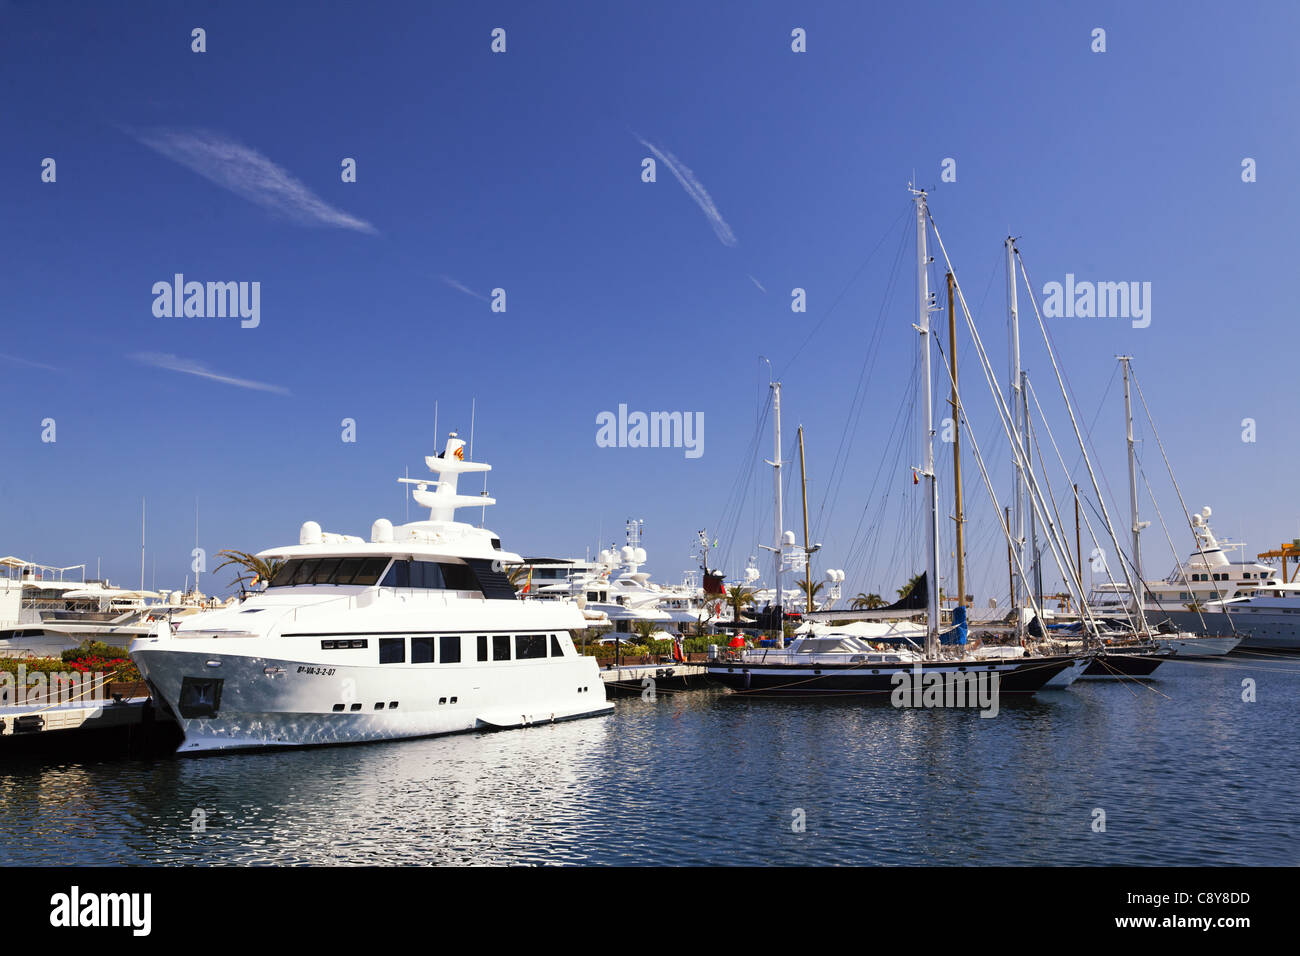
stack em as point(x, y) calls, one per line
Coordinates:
point(695, 189)
point(175, 363)
point(22, 361)
point(247, 173)
point(461, 287)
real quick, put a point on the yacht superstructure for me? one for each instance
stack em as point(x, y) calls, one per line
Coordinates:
point(1189, 597)
point(43, 612)
point(413, 633)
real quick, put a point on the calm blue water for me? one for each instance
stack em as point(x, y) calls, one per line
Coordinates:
point(1186, 772)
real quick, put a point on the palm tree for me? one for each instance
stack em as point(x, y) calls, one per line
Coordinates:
point(867, 601)
point(811, 590)
point(906, 589)
point(739, 597)
point(254, 569)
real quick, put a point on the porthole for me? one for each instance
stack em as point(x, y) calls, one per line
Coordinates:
point(355, 707)
point(337, 708)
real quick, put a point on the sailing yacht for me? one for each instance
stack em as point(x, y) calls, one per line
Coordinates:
point(413, 633)
point(839, 661)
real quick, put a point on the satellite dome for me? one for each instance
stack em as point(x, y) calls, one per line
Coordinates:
point(638, 555)
point(310, 533)
point(381, 532)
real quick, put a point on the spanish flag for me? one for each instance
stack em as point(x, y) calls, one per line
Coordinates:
point(528, 585)
point(460, 453)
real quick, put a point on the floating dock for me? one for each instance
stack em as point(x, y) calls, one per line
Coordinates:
point(634, 680)
point(123, 727)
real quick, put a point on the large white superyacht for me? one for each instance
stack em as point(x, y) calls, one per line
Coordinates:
point(414, 633)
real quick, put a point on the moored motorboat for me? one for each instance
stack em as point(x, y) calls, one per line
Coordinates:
point(414, 633)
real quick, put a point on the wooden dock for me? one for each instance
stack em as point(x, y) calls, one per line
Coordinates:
point(125, 727)
point(634, 680)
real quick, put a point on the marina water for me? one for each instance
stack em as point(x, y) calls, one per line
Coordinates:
point(1185, 771)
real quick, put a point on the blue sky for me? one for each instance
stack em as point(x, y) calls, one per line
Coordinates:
point(522, 171)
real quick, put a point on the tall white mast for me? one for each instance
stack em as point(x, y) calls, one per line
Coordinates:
point(778, 523)
point(1139, 593)
point(924, 308)
point(1018, 424)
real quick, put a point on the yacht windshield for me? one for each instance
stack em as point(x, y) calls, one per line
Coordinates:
point(362, 571)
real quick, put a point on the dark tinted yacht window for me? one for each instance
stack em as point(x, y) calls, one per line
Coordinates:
point(363, 571)
point(449, 649)
point(325, 570)
point(437, 576)
point(530, 646)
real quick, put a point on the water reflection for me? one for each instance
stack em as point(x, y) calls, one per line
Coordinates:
point(1190, 774)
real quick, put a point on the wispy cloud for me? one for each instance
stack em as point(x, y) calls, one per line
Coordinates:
point(247, 173)
point(461, 287)
point(28, 362)
point(757, 283)
point(175, 363)
point(695, 189)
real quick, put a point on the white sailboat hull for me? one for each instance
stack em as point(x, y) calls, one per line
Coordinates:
point(1187, 645)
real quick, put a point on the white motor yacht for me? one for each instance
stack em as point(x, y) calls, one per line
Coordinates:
point(413, 633)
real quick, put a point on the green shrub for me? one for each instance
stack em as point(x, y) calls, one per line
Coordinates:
point(93, 649)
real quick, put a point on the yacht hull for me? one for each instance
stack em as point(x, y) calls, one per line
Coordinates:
point(1259, 630)
point(1071, 673)
point(225, 701)
point(1196, 647)
point(1017, 676)
point(1115, 666)
point(51, 640)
